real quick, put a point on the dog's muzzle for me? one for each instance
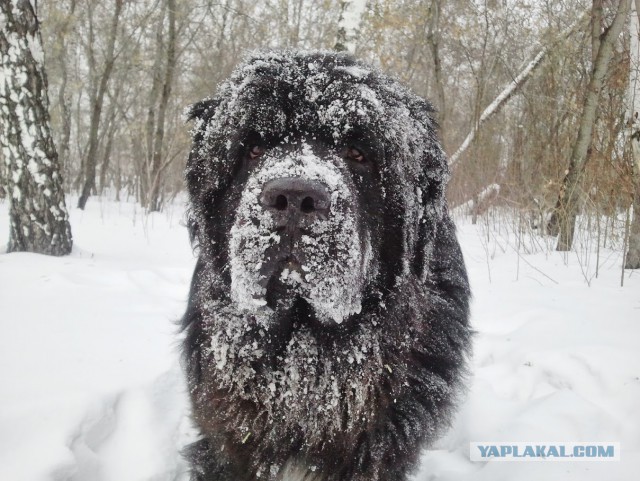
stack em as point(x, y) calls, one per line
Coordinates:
point(296, 237)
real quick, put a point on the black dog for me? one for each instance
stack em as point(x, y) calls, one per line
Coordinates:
point(327, 327)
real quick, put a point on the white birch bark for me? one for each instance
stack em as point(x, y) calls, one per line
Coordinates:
point(633, 126)
point(37, 212)
point(349, 25)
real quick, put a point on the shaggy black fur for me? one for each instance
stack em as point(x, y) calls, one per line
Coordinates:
point(299, 390)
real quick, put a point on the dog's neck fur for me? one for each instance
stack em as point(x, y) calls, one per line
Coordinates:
point(297, 470)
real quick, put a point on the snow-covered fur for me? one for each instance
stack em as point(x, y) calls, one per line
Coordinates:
point(326, 343)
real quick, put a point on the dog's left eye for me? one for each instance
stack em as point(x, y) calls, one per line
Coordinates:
point(256, 151)
point(355, 155)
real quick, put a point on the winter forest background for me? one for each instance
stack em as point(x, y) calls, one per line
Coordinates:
point(538, 104)
point(534, 98)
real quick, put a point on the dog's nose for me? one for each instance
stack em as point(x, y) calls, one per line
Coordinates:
point(295, 195)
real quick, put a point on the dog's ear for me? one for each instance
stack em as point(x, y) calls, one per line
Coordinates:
point(432, 182)
point(201, 110)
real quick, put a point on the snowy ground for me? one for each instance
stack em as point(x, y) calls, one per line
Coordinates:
point(91, 390)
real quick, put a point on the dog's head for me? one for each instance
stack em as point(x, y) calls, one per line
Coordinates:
point(316, 183)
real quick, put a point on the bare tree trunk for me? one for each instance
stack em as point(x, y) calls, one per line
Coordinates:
point(96, 110)
point(65, 115)
point(564, 216)
point(154, 199)
point(632, 260)
point(294, 39)
point(106, 157)
point(63, 100)
point(154, 92)
point(433, 38)
point(38, 215)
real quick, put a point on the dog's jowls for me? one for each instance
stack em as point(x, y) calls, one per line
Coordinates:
point(327, 325)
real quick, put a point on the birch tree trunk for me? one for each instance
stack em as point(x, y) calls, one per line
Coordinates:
point(633, 112)
point(563, 220)
point(37, 212)
point(351, 12)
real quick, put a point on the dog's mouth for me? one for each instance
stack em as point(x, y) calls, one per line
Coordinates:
point(282, 279)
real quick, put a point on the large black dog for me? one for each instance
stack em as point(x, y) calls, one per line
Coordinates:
point(327, 327)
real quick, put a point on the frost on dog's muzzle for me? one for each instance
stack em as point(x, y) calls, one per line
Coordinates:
point(296, 233)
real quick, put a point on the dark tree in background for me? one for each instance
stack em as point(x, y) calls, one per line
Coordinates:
point(97, 93)
point(163, 78)
point(38, 215)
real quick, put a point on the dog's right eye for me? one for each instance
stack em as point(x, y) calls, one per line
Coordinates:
point(354, 154)
point(256, 151)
